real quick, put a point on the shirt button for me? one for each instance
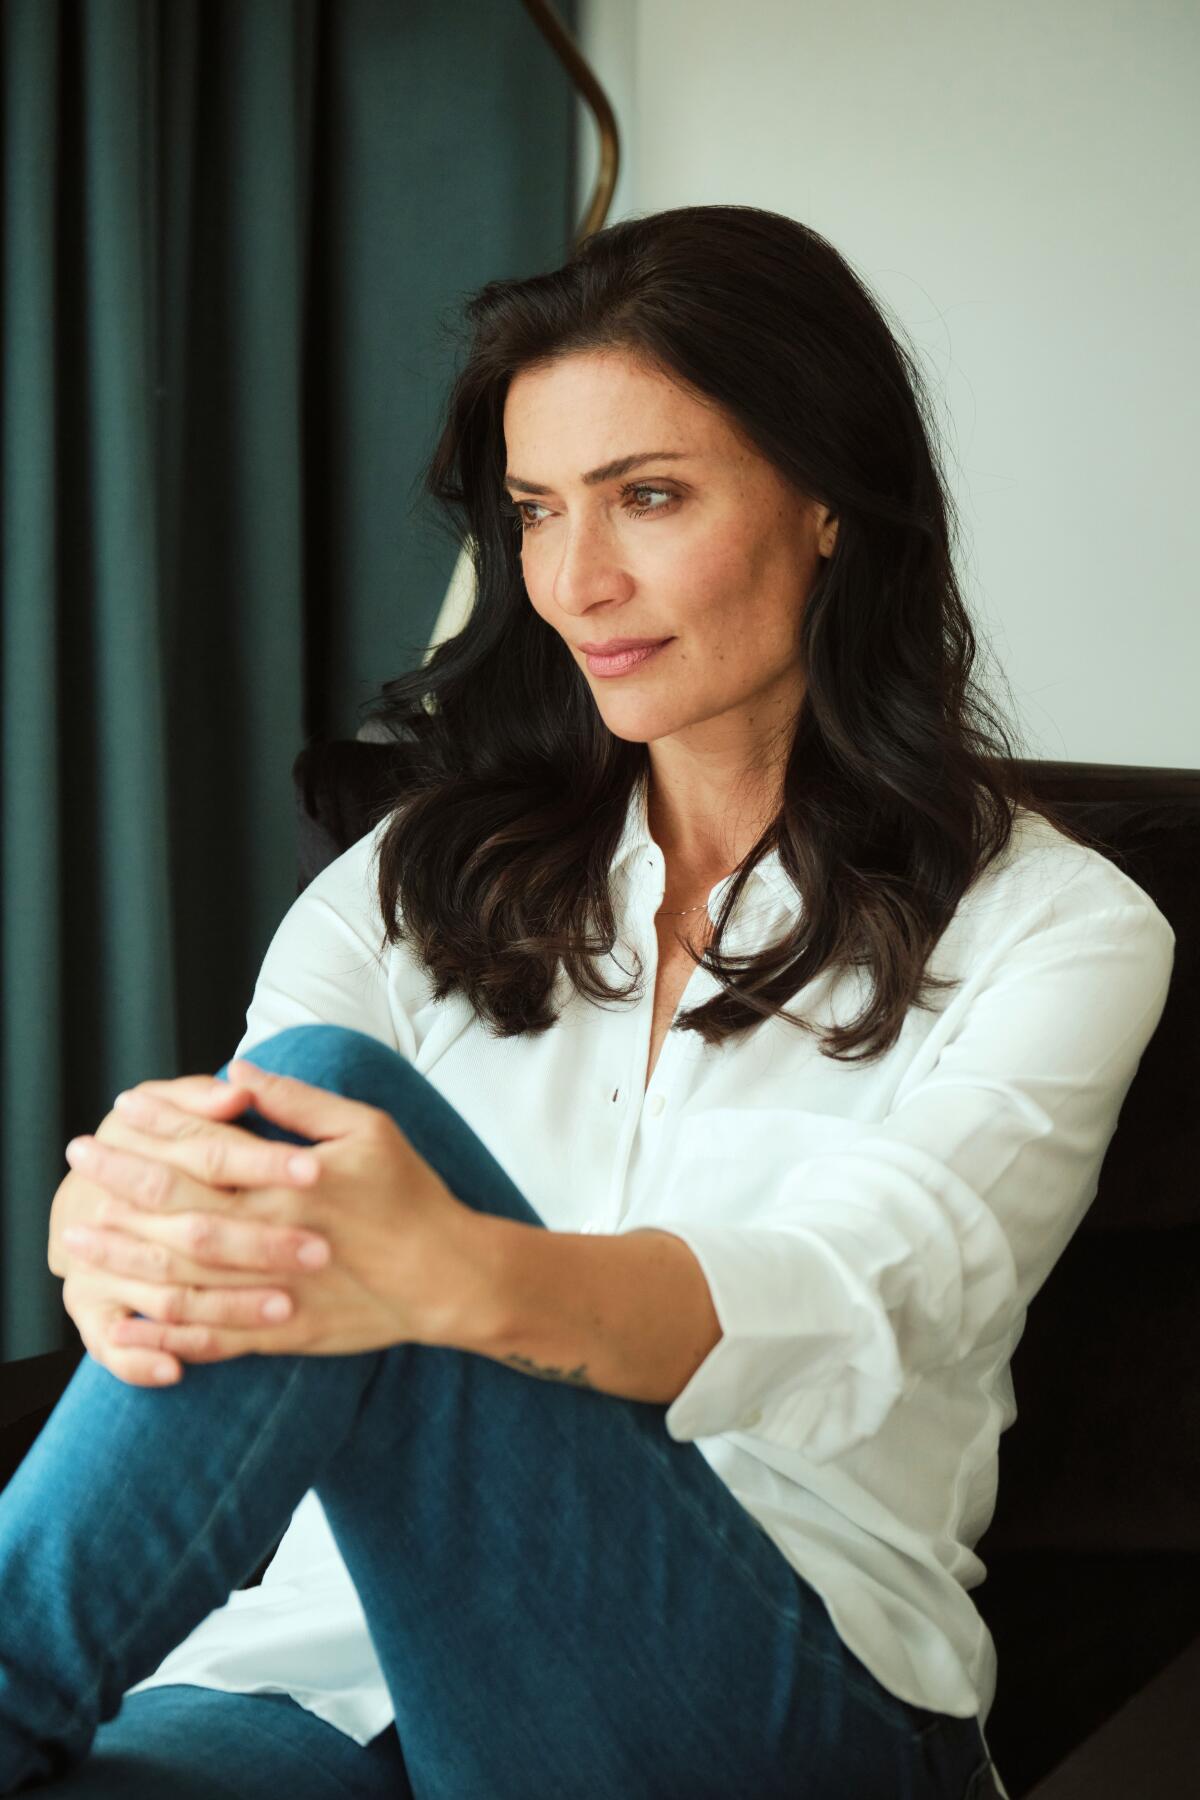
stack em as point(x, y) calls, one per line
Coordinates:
point(656, 1105)
point(752, 1418)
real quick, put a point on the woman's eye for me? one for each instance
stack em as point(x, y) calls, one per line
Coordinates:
point(641, 488)
point(521, 509)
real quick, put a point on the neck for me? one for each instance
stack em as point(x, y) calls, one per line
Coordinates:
point(697, 855)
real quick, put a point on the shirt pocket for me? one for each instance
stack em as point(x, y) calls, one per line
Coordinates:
point(729, 1161)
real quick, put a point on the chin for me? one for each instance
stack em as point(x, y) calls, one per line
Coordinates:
point(645, 730)
point(629, 734)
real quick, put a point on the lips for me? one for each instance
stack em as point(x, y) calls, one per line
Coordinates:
point(615, 646)
point(621, 661)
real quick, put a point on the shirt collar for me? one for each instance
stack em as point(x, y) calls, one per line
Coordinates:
point(635, 836)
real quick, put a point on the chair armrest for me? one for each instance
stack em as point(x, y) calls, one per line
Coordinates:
point(1149, 1747)
point(34, 1383)
point(29, 1391)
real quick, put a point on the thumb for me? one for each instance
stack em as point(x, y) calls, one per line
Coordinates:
point(313, 1111)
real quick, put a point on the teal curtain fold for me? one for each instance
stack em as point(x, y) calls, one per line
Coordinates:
point(233, 234)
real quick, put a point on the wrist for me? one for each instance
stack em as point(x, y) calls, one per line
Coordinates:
point(472, 1310)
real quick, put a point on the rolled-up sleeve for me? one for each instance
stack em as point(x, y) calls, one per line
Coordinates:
point(844, 1266)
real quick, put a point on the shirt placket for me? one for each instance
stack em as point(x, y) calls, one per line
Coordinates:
point(638, 1113)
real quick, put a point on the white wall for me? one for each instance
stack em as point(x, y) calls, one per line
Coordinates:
point(1017, 183)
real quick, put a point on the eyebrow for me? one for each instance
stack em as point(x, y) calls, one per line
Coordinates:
point(606, 472)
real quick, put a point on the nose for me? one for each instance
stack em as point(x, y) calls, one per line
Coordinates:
point(589, 569)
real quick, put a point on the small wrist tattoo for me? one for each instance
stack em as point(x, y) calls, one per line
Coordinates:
point(575, 1377)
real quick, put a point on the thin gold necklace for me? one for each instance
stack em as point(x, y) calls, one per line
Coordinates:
point(690, 909)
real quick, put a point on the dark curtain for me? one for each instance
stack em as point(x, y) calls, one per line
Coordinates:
point(234, 233)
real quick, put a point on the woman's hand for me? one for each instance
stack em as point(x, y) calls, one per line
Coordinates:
point(96, 1299)
point(406, 1257)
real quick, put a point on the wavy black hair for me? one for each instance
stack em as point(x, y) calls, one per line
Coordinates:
point(902, 781)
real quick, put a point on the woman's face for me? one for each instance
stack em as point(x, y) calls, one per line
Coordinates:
point(703, 543)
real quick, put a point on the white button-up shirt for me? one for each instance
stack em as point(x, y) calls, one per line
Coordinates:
point(871, 1234)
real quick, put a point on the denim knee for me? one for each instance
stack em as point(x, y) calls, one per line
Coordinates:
point(325, 1055)
point(363, 1068)
point(335, 1057)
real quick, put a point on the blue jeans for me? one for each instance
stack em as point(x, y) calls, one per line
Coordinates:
point(565, 1601)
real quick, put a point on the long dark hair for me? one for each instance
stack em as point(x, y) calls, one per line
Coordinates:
point(901, 783)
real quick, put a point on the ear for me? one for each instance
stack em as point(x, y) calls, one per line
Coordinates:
point(827, 527)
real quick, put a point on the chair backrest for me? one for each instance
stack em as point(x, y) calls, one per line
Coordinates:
point(1105, 1452)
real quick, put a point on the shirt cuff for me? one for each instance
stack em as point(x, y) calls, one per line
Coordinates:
point(806, 1359)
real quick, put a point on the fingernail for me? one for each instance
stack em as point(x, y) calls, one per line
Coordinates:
point(164, 1371)
point(313, 1254)
point(302, 1165)
point(277, 1307)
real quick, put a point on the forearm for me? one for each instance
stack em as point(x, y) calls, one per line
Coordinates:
point(629, 1314)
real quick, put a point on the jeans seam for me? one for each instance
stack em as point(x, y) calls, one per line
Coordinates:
point(751, 1580)
point(85, 1711)
point(259, 1726)
point(685, 1499)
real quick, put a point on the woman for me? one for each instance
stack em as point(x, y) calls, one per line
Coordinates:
point(787, 1232)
